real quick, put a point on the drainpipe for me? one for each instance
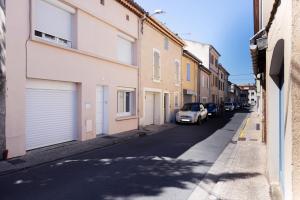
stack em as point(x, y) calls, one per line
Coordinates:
point(139, 65)
point(3, 150)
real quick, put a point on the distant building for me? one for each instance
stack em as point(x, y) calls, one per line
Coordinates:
point(233, 92)
point(223, 83)
point(210, 59)
point(248, 94)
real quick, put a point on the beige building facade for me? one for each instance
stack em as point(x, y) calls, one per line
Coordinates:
point(204, 84)
point(77, 58)
point(276, 53)
point(223, 84)
point(160, 80)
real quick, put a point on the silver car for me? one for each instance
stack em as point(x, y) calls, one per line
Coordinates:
point(192, 113)
point(229, 107)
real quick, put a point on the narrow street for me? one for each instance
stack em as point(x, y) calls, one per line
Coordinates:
point(166, 165)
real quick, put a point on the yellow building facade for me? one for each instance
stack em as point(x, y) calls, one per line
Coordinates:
point(189, 77)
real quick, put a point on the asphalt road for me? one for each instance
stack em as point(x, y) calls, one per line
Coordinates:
point(163, 166)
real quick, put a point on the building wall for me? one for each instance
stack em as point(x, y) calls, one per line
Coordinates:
point(266, 11)
point(192, 83)
point(153, 39)
point(200, 50)
point(280, 31)
point(204, 88)
point(295, 64)
point(87, 65)
point(213, 67)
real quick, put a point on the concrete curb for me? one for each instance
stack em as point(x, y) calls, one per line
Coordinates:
point(204, 190)
point(64, 152)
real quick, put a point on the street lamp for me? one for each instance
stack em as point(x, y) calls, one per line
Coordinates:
point(156, 12)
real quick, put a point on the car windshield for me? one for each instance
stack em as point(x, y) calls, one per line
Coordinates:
point(190, 107)
point(210, 106)
point(228, 104)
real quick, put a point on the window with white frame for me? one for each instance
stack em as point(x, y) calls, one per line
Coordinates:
point(125, 50)
point(54, 22)
point(188, 72)
point(125, 103)
point(177, 72)
point(156, 66)
point(176, 100)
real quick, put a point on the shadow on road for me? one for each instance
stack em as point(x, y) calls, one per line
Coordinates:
point(140, 167)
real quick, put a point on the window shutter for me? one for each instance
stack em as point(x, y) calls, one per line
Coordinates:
point(188, 72)
point(177, 72)
point(52, 20)
point(156, 65)
point(125, 49)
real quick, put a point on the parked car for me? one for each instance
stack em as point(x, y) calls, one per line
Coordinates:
point(229, 107)
point(192, 113)
point(237, 106)
point(212, 109)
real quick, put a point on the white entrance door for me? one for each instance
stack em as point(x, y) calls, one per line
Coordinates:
point(149, 108)
point(99, 110)
point(51, 113)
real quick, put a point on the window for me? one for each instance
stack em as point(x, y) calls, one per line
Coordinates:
point(53, 22)
point(125, 103)
point(204, 100)
point(102, 2)
point(203, 80)
point(166, 43)
point(177, 72)
point(125, 50)
point(127, 17)
point(211, 59)
point(176, 100)
point(188, 72)
point(216, 82)
point(156, 66)
point(207, 82)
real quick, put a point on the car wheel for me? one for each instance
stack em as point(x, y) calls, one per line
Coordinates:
point(199, 121)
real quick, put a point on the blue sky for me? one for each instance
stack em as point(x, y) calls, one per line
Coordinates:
point(226, 24)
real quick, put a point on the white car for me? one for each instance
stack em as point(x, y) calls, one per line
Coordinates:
point(192, 113)
point(229, 107)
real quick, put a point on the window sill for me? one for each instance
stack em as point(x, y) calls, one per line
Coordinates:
point(156, 81)
point(122, 118)
point(74, 50)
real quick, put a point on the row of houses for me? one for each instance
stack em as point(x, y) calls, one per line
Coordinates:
point(243, 94)
point(275, 51)
point(79, 69)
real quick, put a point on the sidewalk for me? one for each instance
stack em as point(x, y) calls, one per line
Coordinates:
point(60, 151)
point(239, 173)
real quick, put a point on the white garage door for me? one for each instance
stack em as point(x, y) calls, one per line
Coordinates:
point(99, 110)
point(149, 108)
point(51, 113)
